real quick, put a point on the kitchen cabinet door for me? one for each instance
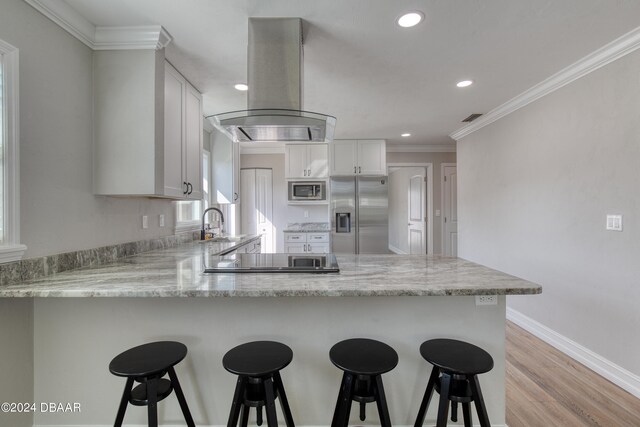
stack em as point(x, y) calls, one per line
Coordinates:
point(318, 248)
point(344, 157)
point(192, 169)
point(372, 157)
point(318, 161)
point(296, 161)
point(295, 248)
point(174, 88)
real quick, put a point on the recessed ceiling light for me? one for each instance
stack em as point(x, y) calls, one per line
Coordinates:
point(405, 135)
point(464, 83)
point(241, 86)
point(410, 19)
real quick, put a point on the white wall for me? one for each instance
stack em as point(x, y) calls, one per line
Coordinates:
point(436, 159)
point(534, 190)
point(58, 212)
point(283, 212)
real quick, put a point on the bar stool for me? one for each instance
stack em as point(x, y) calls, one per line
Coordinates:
point(147, 364)
point(363, 362)
point(258, 366)
point(456, 365)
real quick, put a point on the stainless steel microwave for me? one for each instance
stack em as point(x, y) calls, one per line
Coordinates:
point(312, 191)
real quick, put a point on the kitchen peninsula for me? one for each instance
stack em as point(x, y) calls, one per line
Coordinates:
point(401, 300)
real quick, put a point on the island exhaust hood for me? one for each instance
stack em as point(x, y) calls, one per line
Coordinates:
point(274, 99)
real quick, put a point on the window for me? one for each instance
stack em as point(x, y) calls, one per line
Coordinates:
point(10, 247)
point(189, 214)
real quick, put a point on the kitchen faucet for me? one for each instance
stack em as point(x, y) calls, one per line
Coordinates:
point(202, 232)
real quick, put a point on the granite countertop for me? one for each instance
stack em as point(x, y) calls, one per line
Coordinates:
point(307, 227)
point(178, 272)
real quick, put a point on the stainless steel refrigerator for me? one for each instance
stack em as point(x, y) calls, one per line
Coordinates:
point(359, 215)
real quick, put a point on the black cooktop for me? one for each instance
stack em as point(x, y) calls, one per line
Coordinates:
point(272, 263)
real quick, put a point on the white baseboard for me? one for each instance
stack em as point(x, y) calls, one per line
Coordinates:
point(397, 251)
point(616, 374)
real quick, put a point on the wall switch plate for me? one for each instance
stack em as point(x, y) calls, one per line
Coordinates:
point(486, 299)
point(161, 220)
point(145, 221)
point(614, 222)
point(437, 212)
point(306, 213)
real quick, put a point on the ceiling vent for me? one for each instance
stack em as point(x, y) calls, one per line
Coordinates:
point(471, 118)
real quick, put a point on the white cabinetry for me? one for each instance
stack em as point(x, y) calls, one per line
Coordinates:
point(148, 127)
point(301, 243)
point(359, 157)
point(225, 169)
point(306, 161)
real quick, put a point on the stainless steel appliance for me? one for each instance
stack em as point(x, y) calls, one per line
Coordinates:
point(272, 263)
point(314, 191)
point(359, 215)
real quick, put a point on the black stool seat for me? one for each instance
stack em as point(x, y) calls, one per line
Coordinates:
point(363, 356)
point(456, 357)
point(259, 384)
point(456, 366)
point(258, 358)
point(363, 362)
point(148, 359)
point(147, 364)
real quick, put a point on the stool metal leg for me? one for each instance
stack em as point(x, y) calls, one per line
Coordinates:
point(152, 399)
point(284, 403)
point(236, 404)
point(381, 401)
point(466, 414)
point(427, 397)
point(443, 406)
point(454, 412)
point(343, 406)
point(259, 415)
point(126, 395)
point(180, 395)
point(363, 411)
point(270, 403)
point(479, 401)
point(244, 416)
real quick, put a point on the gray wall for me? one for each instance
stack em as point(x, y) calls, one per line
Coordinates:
point(58, 212)
point(282, 212)
point(534, 190)
point(437, 159)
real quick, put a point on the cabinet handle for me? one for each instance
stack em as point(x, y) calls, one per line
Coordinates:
point(354, 169)
point(359, 169)
point(309, 173)
point(305, 172)
point(190, 187)
point(235, 196)
point(186, 186)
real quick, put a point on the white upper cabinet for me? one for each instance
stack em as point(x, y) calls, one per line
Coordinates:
point(148, 127)
point(358, 157)
point(225, 169)
point(306, 161)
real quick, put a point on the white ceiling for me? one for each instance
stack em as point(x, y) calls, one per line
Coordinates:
point(378, 79)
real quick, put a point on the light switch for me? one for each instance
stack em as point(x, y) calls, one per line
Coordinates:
point(161, 221)
point(145, 221)
point(614, 222)
point(437, 212)
point(306, 214)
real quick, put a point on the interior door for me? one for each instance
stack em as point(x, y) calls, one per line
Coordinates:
point(450, 210)
point(264, 208)
point(248, 204)
point(416, 214)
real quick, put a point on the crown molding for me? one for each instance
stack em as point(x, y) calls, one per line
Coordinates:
point(427, 148)
point(99, 37)
point(608, 53)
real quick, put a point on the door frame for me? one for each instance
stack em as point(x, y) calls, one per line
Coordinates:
point(442, 167)
point(429, 174)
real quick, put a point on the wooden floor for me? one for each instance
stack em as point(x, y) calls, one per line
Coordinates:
point(545, 388)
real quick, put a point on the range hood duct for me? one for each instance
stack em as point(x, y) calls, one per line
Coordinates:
point(274, 99)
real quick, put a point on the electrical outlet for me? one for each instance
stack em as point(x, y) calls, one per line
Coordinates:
point(306, 214)
point(161, 220)
point(486, 299)
point(145, 221)
point(614, 222)
point(437, 212)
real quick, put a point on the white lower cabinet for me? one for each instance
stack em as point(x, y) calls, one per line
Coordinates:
point(310, 243)
point(254, 247)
